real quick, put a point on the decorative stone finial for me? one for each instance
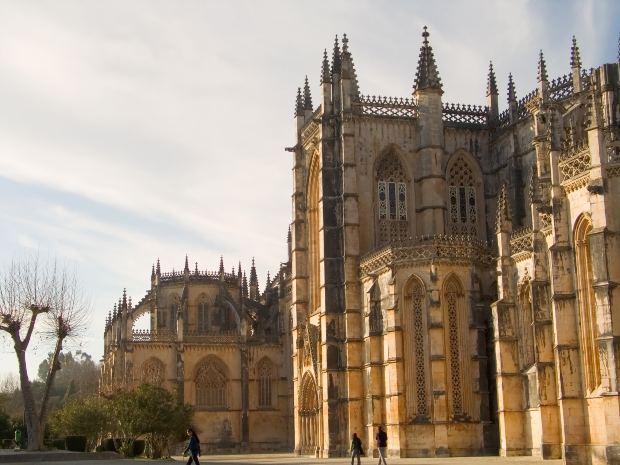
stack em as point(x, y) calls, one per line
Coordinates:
point(299, 103)
point(186, 267)
point(336, 59)
point(307, 96)
point(491, 81)
point(427, 76)
point(325, 73)
point(512, 93)
point(575, 57)
point(542, 68)
point(158, 268)
point(221, 269)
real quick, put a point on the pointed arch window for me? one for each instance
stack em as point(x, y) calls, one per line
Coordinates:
point(391, 200)
point(375, 313)
point(265, 373)
point(211, 386)
point(313, 234)
point(203, 315)
point(587, 304)
point(462, 201)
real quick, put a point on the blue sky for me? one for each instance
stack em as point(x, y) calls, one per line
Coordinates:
point(144, 129)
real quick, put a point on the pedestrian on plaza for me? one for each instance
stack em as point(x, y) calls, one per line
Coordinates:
point(381, 445)
point(193, 447)
point(356, 449)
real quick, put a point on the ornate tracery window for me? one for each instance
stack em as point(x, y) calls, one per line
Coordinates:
point(587, 304)
point(416, 368)
point(453, 297)
point(211, 385)
point(391, 200)
point(265, 373)
point(308, 415)
point(152, 371)
point(462, 202)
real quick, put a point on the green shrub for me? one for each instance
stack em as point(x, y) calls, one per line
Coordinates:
point(76, 443)
point(58, 444)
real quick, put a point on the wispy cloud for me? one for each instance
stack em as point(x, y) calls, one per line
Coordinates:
point(131, 130)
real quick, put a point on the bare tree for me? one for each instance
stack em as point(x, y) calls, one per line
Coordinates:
point(39, 299)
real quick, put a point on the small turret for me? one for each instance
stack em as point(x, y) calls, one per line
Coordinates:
point(336, 60)
point(158, 268)
point(196, 269)
point(186, 267)
point(124, 307)
point(427, 94)
point(268, 283)
point(239, 275)
point(325, 72)
point(289, 244)
point(542, 77)
point(153, 276)
point(575, 66)
point(221, 268)
point(492, 95)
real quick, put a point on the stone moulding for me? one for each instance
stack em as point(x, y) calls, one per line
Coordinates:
point(442, 248)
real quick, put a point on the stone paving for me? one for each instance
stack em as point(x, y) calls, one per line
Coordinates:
point(282, 459)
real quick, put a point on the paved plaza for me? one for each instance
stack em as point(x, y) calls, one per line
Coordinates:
point(273, 459)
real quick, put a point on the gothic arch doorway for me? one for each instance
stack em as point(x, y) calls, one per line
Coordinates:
point(308, 416)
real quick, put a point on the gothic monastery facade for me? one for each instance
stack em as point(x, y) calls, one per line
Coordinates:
point(452, 276)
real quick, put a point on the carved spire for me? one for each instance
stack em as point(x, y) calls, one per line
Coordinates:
point(348, 68)
point(153, 271)
point(503, 222)
point(491, 81)
point(325, 73)
point(299, 103)
point(336, 60)
point(619, 47)
point(542, 68)
point(307, 96)
point(221, 269)
point(289, 236)
point(253, 282)
point(268, 283)
point(575, 57)
point(158, 268)
point(114, 312)
point(186, 268)
point(239, 275)
point(245, 285)
point(512, 93)
point(124, 307)
point(427, 76)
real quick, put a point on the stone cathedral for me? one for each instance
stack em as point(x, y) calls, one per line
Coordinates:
point(455, 269)
point(452, 276)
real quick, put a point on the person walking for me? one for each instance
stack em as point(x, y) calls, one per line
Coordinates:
point(381, 445)
point(193, 447)
point(356, 449)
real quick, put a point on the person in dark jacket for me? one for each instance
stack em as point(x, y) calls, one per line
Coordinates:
point(356, 448)
point(381, 445)
point(193, 447)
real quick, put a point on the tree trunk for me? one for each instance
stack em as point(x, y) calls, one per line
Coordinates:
point(49, 381)
point(31, 418)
